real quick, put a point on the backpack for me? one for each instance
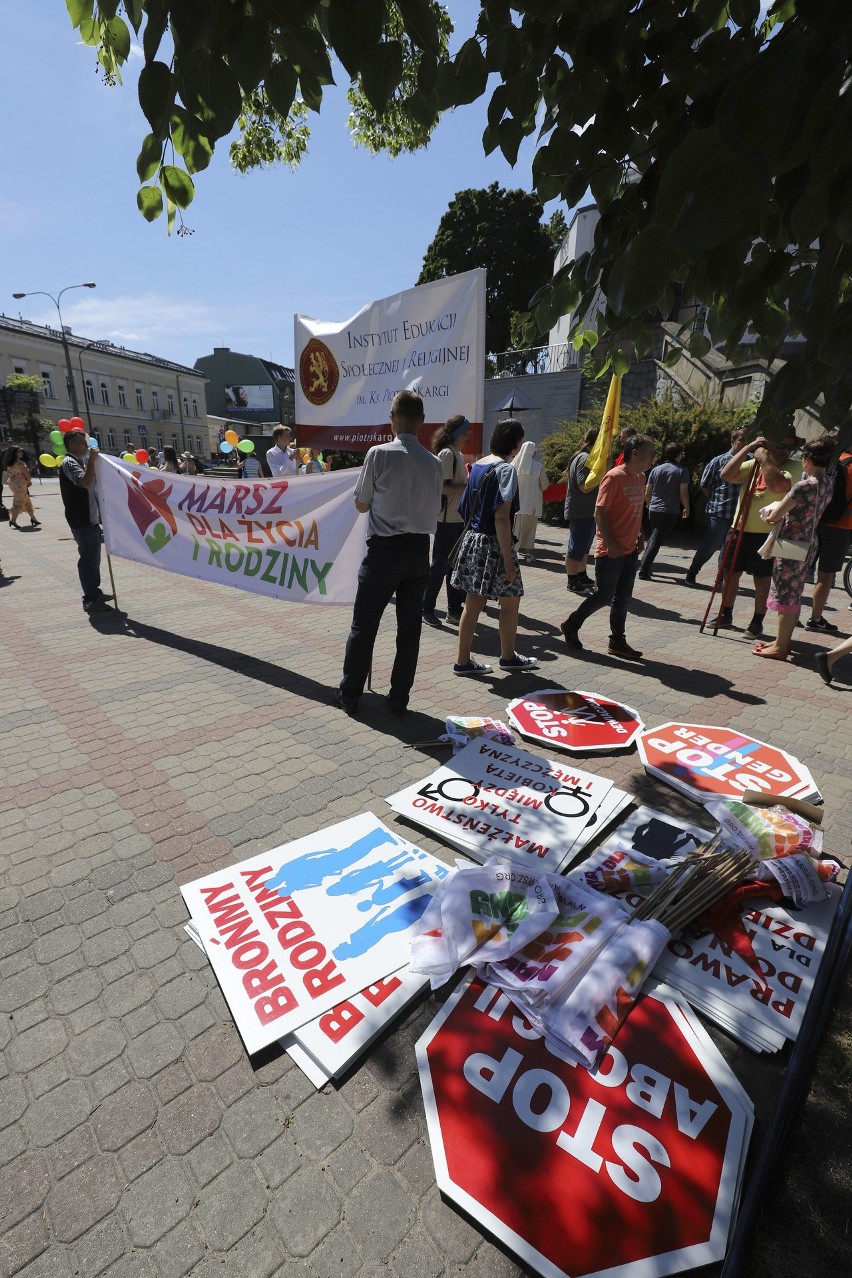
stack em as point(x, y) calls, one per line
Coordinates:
point(839, 504)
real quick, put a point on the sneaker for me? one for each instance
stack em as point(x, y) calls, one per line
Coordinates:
point(431, 619)
point(471, 668)
point(755, 627)
point(820, 624)
point(690, 579)
point(518, 663)
point(571, 637)
point(724, 621)
point(453, 618)
point(822, 667)
point(346, 704)
point(644, 576)
point(621, 648)
point(580, 585)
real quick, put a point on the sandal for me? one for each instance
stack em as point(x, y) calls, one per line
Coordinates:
point(471, 668)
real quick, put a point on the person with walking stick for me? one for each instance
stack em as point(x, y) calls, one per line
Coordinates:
point(763, 479)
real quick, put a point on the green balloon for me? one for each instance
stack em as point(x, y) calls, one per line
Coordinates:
point(245, 446)
point(59, 450)
point(56, 437)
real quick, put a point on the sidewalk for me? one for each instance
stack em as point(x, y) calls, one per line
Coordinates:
point(136, 1139)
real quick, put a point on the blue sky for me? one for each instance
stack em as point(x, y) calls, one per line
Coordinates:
point(345, 228)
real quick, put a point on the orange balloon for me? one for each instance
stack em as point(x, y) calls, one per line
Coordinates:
point(232, 437)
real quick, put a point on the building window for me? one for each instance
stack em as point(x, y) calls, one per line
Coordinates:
point(104, 393)
point(90, 391)
point(122, 395)
point(127, 438)
point(48, 383)
point(174, 442)
point(159, 441)
point(111, 439)
point(21, 368)
point(170, 401)
point(194, 407)
point(140, 399)
point(185, 406)
point(155, 399)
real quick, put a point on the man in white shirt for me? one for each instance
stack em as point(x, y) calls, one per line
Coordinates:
point(281, 458)
point(400, 486)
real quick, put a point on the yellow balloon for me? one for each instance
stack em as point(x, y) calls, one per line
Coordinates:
point(128, 457)
point(46, 460)
point(232, 437)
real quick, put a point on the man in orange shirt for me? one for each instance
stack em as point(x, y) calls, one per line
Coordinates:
point(618, 515)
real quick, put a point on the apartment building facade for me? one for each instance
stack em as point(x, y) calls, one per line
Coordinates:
point(128, 399)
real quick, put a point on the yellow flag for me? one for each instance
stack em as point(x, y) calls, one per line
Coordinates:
point(599, 456)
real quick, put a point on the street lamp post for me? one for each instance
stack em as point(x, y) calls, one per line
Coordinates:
point(69, 374)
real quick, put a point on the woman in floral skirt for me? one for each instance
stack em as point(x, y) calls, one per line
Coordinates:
point(16, 473)
point(798, 515)
point(487, 566)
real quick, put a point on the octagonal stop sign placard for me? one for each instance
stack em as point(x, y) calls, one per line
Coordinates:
point(629, 1172)
point(710, 762)
point(573, 720)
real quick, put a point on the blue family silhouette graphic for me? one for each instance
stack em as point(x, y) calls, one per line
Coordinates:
point(338, 870)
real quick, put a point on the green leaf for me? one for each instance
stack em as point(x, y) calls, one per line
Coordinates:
point(699, 344)
point(510, 136)
point(639, 276)
point(620, 363)
point(149, 201)
point(149, 158)
point(250, 53)
point(156, 96)
point(177, 185)
point(280, 85)
point(382, 74)
point(134, 10)
point(78, 10)
point(209, 90)
point(471, 73)
point(354, 31)
point(171, 210)
point(421, 24)
point(117, 36)
point(190, 140)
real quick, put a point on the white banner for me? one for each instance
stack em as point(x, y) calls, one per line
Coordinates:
point(429, 339)
point(299, 539)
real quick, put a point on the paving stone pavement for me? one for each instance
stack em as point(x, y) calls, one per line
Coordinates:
point(136, 1138)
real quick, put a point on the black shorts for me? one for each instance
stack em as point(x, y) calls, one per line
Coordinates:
point(748, 560)
point(833, 544)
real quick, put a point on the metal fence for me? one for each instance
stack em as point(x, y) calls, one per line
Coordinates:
point(537, 359)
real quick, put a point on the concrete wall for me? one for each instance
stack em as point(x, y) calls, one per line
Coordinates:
point(556, 396)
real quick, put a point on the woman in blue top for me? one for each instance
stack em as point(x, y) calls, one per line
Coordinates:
point(487, 566)
point(667, 499)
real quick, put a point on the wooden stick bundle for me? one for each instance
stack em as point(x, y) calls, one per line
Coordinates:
point(696, 883)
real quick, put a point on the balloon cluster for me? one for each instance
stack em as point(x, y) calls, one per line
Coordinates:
point(141, 455)
point(232, 441)
point(57, 439)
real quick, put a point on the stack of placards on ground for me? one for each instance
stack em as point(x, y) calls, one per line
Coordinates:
point(761, 1000)
point(310, 941)
point(492, 798)
point(633, 1170)
point(706, 762)
point(580, 721)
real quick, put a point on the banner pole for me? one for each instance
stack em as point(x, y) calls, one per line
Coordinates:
point(112, 580)
point(730, 552)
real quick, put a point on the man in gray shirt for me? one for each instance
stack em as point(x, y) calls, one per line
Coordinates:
point(400, 487)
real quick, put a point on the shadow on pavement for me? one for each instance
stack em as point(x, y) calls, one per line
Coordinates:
point(374, 709)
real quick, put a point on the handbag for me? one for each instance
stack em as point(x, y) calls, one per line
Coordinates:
point(454, 553)
point(786, 548)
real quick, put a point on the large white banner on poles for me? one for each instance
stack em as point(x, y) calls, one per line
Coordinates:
point(299, 539)
point(429, 339)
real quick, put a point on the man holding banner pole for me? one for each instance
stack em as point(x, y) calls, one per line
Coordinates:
point(400, 488)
